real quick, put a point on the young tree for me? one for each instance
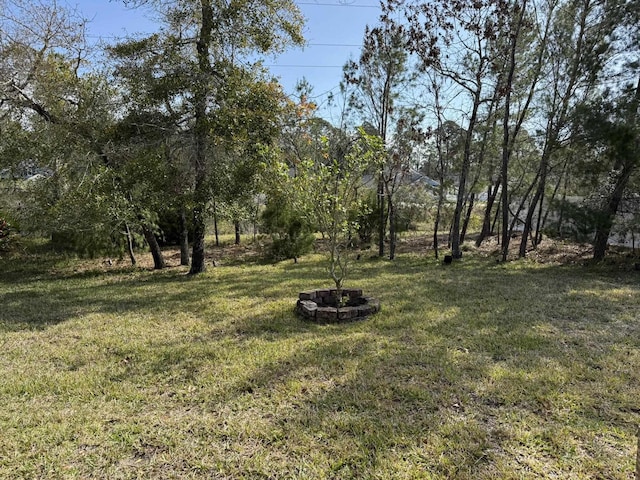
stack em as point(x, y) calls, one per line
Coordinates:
point(328, 191)
point(334, 193)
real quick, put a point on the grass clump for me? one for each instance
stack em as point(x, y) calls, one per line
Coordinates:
point(473, 371)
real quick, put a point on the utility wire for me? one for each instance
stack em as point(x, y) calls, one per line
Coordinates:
point(302, 66)
point(340, 5)
point(116, 37)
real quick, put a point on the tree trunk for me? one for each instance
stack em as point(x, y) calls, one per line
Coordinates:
point(201, 132)
point(537, 197)
point(464, 172)
point(437, 221)
point(132, 256)
point(392, 229)
point(382, 227)
point(184, 238)
point(487, 227)
point(156, 253)
point(506, 150)
point(216, 232)
point(496, 218)
point(603, 230)
point(236, 227)
point(198, 249)
point(467, 217)
point(542, 219)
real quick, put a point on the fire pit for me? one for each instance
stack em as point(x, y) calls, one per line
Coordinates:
point(323, 305)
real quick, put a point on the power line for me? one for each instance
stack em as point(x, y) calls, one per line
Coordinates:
point(334, 45)
point(340, 5)
point(304, 66)
point(124, 37)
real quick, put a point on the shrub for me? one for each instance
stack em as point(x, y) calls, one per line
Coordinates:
point(292, 236)
point(5, 231)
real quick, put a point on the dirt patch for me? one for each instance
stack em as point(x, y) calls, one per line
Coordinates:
point(549, 251)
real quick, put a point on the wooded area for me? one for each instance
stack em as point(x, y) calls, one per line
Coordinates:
point(524, 113)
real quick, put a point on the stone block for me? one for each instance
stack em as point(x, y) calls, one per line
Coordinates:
point(307, 308)
point(308, 295)
point(326, 314)
point(353, 292)
point(347, 313)
point(374, 303)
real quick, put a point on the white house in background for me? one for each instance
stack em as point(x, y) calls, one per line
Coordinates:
point(410, 177)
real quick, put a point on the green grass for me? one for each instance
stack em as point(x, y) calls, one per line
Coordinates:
point(474, 371)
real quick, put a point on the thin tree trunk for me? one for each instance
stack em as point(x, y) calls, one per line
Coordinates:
point(542, 219)
point(201, 131)
point(464, 172)
point(437, 221)
point(382, 227)
point(132, 256)
point(216, 232)
point(481, 158)
point(487, 227)
point(392, 229)
point(523, 201)
point(156, 253)
point(467, 217)
point(184, 238)
point(507, 138)
point(236, 227)
point(537, 198)
point(496, 218)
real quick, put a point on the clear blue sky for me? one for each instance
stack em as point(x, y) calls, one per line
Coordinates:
point(333, 31)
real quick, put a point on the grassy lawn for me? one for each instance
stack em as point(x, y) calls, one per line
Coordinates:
point(477, 370)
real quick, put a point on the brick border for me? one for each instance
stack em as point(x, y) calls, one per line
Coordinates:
point(307, 306)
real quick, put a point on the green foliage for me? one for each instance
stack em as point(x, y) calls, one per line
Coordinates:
point(327, 190)
point(580, 221)
point(5, 231)
point(169, 227)
point(368, 218)
point(291, 234)
point(334, 194)
point(412, 207)
point(88, 218)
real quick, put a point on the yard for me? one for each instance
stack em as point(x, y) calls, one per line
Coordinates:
point(477, 370)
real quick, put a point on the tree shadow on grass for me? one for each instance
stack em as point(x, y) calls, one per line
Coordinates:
point(465, 394)
point(450, 380)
